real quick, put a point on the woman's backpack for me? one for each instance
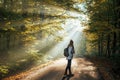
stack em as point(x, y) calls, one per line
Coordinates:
point(66, 54)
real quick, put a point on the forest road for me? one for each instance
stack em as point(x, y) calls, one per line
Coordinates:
point(82, 69)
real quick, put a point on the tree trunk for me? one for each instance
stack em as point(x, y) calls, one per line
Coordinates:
point(119, 42)
point(114, 44)
point(0, 42)
point(8, 40)
point(24, 6)
point(101, 44)
point(42, 15)
point(99, 50)
point(4, 3)
point(108, 46)
point(11, 5)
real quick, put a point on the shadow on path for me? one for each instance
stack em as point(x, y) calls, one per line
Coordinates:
point(67, 77)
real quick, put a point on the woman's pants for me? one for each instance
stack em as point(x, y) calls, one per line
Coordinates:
point(68, 67)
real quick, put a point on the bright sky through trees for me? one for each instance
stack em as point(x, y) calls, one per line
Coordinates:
point(72, 29)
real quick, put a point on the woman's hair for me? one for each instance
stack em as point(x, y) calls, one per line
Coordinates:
point(71, 43)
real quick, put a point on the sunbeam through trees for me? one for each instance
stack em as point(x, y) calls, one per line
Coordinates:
point(34, 34)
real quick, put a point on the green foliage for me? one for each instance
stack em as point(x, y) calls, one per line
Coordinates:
point(13, 67)
point(9, 15)
point(34, 56)
point(67, 3)
point(3, 70)
point(102, 24)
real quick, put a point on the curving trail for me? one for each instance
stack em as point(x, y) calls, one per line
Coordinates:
point(81, 68)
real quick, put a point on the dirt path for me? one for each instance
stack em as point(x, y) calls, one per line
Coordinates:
point(81, 68)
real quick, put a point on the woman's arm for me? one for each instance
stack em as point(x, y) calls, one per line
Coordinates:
point(73, 50)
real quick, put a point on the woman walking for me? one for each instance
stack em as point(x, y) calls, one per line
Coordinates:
point(71, 51)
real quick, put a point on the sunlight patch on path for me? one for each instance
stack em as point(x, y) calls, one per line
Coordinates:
point(85, 70)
